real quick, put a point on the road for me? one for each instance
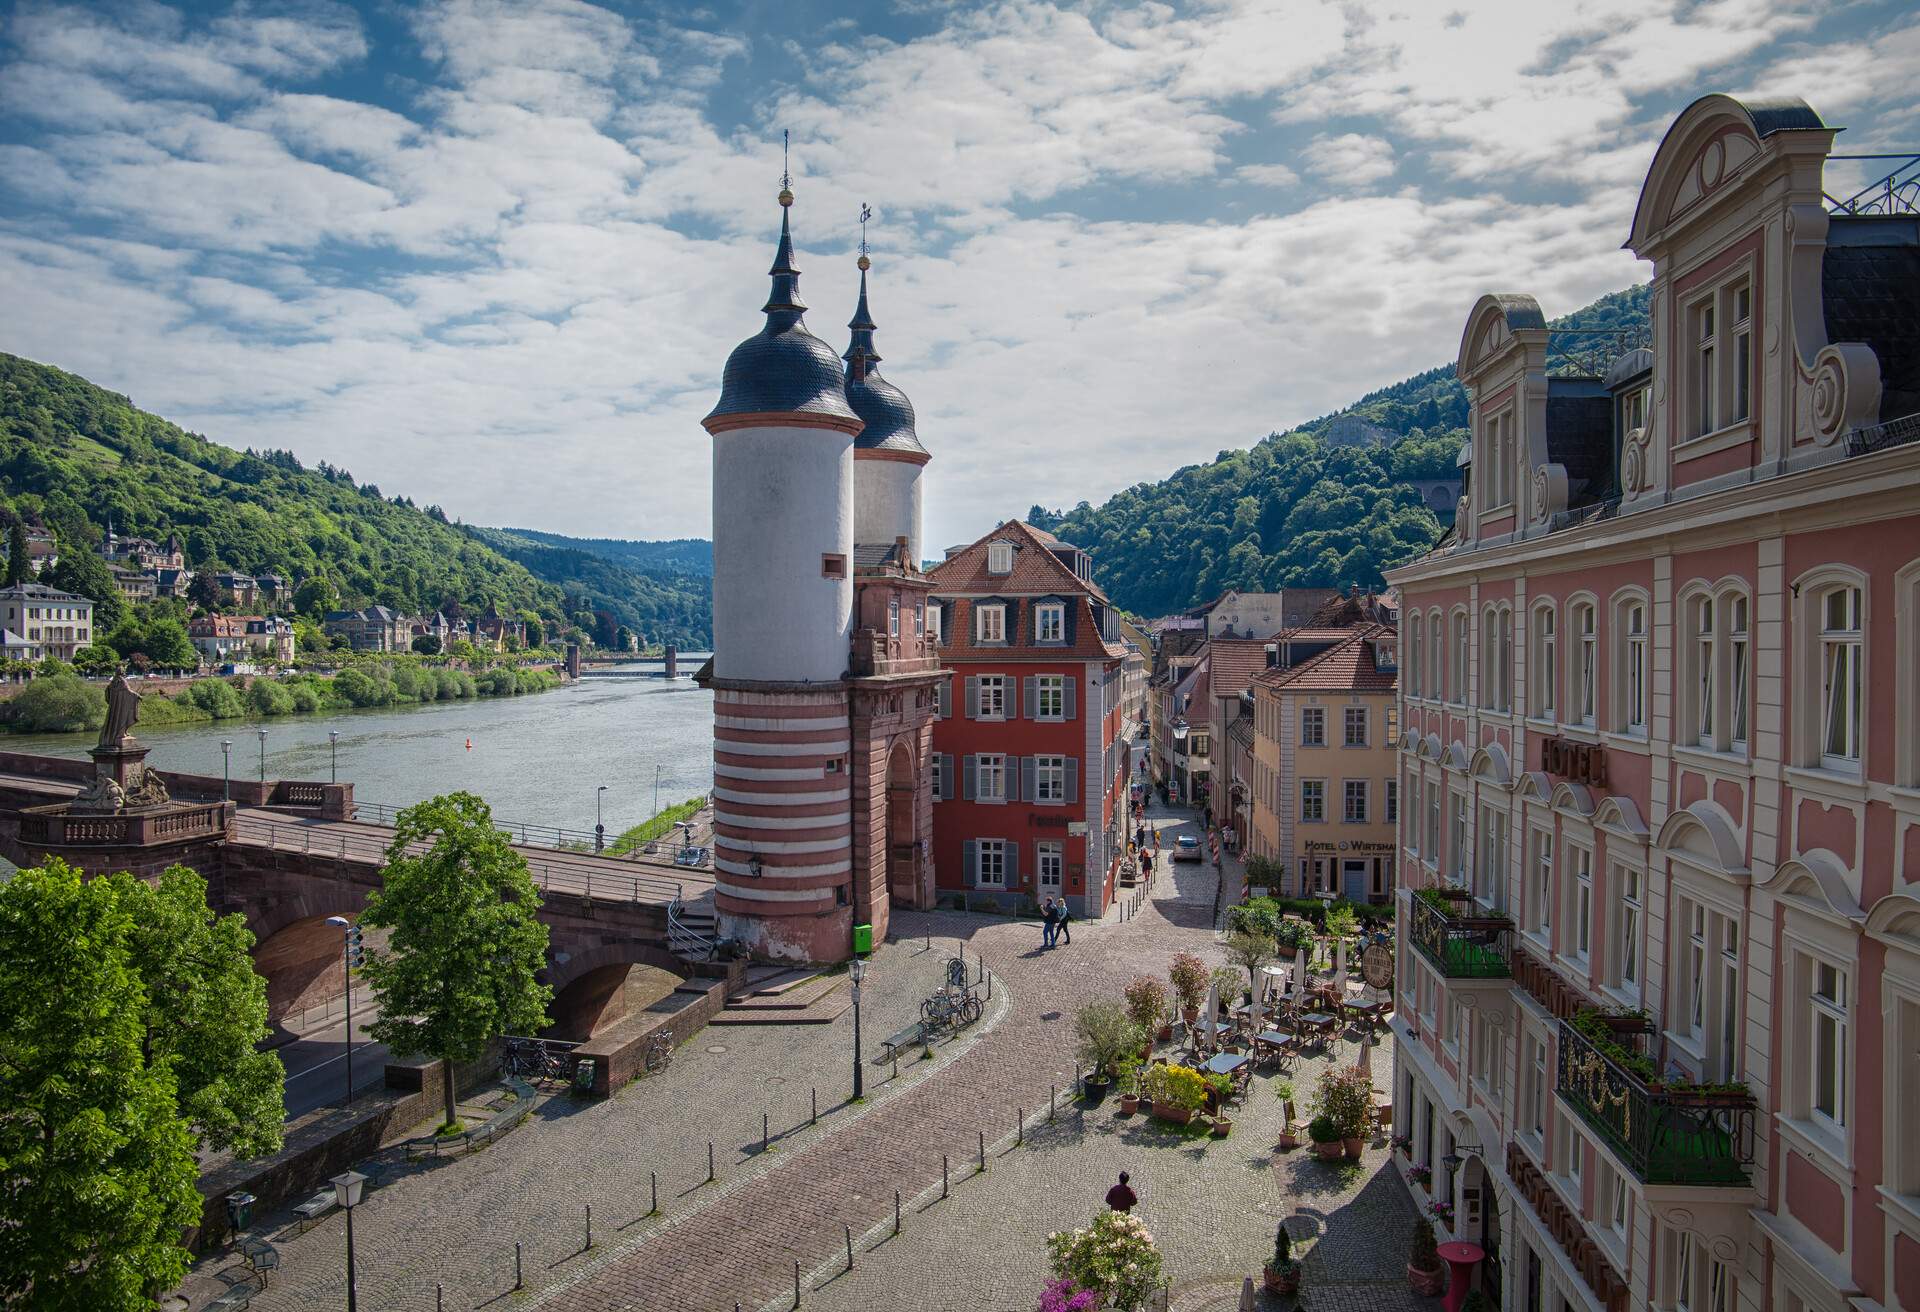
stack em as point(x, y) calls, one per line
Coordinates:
point(316, 1062)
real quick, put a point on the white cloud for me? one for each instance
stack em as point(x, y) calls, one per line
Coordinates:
point(1352, 158)
point(1267, 175)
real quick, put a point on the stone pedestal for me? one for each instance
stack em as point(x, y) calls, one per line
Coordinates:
point(121, 781)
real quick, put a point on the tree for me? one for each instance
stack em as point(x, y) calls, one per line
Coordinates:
point(1250, 952)
point(98, 1162)
point(315, 597)
point(19, 570)
point(459, 969)
point(82, 572)
point(206, 1011)
point(204, 591)
point(166, 643)
point(427, 644)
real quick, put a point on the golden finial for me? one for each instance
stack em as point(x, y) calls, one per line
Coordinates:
point(866, 212)
point(786, 178)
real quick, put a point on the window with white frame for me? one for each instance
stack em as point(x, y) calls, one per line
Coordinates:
point(919, 614)
point(1049, 778)
point(1313, 726)
point(933, 623)
point(1489, 1069)
point(1457, 658)
point(939, 789)
point(1353, 803)
point(1051, 697)
point(1543, 696)
point(1737, 660)
point(1495, 466)
point(1313, 800)
point(1727, 1055)
point(1827, 1003)
point(1538, 1094)
point(1694, 978)
point(1436, 646)
point(990, 856)
point(1631, 640)
point(1706, 672)
point(1902, 1046)
point(1617, 1198)
point(993, 696)
point(990, 777)
point(1050, 622)
point(1706, 366)
point(1457, 837)
point(893, 617)
point(1580, 913)
point(999, 557)
point(990, 623)
point(1540, 894)
point(1051, 863)
point(1393, 801)
point(1586, 655)
point(1490, 878)
point(1568, 1150)
point(1713, 682)
point(1842, 679)
point(1416, 658)
point(1697, 1281)
point(1496, 659)
point(1628, 927)
point(1354, 726)
point(1432, 849)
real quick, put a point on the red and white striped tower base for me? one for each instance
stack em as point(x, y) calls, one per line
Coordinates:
point(782, 821)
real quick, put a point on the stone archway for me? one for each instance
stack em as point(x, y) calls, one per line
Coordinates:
point(597, 989)
point(903, 825)
point(303, 964)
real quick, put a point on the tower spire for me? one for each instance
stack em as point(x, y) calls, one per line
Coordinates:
point(784, 306)
point(861, 354)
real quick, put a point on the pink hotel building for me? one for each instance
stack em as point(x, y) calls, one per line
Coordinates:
point(1659, 909)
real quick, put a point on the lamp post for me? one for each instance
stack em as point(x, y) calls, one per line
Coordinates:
point(599, 819)
point(333, 740)
point(226, 769)
point(856, 971)
point(352, 953)
point(656, 788)
point(346, 1192)
point(263, 756)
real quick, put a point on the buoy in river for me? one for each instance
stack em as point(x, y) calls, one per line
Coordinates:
point(469, 744)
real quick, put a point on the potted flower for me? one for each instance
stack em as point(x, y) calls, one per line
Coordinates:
point(1420, 1175)
point(1283, 1089)
point(1106, 1038)
point(1189, 976)
point(1326, 1138)
point(1345, 1096)
point(1065, 1296)
point(1441, 1210)
point(1127, 1080)
point(1402, 1144)
point(1426, 1273)
point(1282, 1274)
point(1114, 1256)
point(1176, 1092)
point(1146, 1004)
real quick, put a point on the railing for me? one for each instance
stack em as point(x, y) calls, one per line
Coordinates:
point(1664, 1136)
point(1590, 352)
point(523, 834)
point(1462, 947)
point(1896, 193)
point(683, 940)
point(1546, 986)
point(1884, 437)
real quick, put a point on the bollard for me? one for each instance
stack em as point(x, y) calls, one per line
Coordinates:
point(518, 1283)
point(929, 940)
point(816, 1107)
point(896, 1211)
point(896, 1064)
point(849, 1248)
point(439, 1301)
point(1053, 1094)
point(764, 1136)
point(709, 1161)
point(589, 1247)
point(1020, 1127)
point(943, 1175)
point(989, 987)
point(653, 1181)
point(983, 1151)
point(796, 1284)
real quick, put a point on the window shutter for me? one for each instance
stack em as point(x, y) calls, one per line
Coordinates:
point(1030, 693)
point(1069, 702)
point(1073, 779)
point(1008, 699)
point(1012, 776)
point(971, 862)
point(973, 698)
point(946, 777)
point(943, 698)
point(972, 782)
point(1029, 785)
point(1012, 877)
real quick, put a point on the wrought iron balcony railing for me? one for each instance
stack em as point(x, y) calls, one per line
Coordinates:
point(1896, 193)
point(1884, 436)
point(1461, 946)
point(1679, 1136)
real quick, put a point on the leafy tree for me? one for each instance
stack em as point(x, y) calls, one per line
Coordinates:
point(19, 570)
point(206, 1011)
point(96, 658)
point(316, 597)
point(205, 592)
point(81, 572)
point(167, 644)
point(99, 1163)
point(427, 644)
point(460, 967)
point(58, 703)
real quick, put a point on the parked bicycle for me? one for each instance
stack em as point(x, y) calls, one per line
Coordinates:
point(659, 1052)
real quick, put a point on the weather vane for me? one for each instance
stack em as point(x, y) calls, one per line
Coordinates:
point(786, 177)
point(866, 212)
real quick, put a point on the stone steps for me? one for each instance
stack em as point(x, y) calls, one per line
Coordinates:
point(786, 997)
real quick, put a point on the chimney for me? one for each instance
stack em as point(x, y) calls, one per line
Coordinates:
point(1273, 655)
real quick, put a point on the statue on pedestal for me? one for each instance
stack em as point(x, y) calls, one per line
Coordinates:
point(123, 712)
point(121, 780)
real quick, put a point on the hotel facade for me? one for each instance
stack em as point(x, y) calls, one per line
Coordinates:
point(1659, 842)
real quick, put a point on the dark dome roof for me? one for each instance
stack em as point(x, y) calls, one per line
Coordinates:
point(885, 408)
point(783, 368)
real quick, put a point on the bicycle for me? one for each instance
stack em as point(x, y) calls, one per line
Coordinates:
point(659, 1052)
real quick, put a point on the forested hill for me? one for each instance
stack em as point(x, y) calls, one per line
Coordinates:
point(1295, 510)
point(658, 601)
point(75, 457)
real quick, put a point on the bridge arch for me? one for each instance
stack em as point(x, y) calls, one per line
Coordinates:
point(598, 987)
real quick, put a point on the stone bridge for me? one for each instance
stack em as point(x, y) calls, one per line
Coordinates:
point(287, 854)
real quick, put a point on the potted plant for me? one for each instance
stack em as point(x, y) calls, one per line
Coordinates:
point(1282, 1274)
point(1106, 1038)
point(1222, 1123)
point(1146, 1004)
point(1345, 1096)
point(1176, 1092)
point(1477, 1301)
point(1326, 1138)
point(1426, 1273)
point(1441, 1210)
point(1065, 1296)
point(1115, 1256)
point(1420, 1175)
point(1283, 1089)
point(1219, 1088)
point(1402, 1144)
point(1189, 976)
point(1127, 1080)
point(1226, 982)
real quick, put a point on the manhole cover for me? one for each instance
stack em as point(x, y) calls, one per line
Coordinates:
point(717, 1048)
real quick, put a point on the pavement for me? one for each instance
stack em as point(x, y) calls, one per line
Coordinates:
point(447, 1230)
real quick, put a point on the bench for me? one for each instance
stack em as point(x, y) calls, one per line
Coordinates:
point(314, 1208)
point(909, 1037)
point(241, 1287)
point(261, 1256)
point(482, 1134)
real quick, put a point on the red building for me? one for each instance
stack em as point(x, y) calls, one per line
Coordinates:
point(1030, 758)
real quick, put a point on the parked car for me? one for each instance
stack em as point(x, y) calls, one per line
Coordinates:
point(1186, 848)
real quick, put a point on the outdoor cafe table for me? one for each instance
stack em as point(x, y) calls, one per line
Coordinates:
point(1225, 1063)
point(1320, 1023)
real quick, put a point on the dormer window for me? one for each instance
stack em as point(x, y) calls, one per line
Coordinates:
point(1050, 622)
point(999, 557)
point(991, 625)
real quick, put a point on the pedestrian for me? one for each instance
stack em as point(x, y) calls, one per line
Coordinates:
point(1061, 916)
point(1121, 1198)
point(1049, 926)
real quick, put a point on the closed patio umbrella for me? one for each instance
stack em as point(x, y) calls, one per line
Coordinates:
point(1340, 969)
point(1300, 975)
point(1364, 1063)
point(1210, 1014)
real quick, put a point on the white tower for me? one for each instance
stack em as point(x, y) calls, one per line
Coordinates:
point(888, 460)
point(783, 537)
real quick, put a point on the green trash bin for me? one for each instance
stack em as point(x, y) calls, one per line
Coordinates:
point(863, 939)
point(583, 1075)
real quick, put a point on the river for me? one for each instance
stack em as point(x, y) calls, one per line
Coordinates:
point(537, 758)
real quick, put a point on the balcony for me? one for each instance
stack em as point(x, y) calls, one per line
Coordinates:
point(1459, 945)
point(1667, 1135)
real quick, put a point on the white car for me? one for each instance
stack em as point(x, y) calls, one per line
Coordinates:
point(1186, 848)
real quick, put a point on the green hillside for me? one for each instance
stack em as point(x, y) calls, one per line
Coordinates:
point(75, 457)
point(1294, 511)
point(657, 602)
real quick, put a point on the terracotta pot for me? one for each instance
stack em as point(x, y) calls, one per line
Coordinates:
point(1288, 1141)
point(1129, 1103)
point(1190, 1014)
point(1146, 1052)
point(1284, 1282)
point(1353, 1146)
point(1430, 1284)
point(1168, 1112)
point(1165, 1031)
point(1329, 1152)
point(1222, 1127)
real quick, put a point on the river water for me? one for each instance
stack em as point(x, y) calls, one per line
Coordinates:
point(537, 758)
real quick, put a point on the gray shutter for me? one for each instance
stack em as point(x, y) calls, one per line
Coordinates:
point(971, 781)
point(1011, 774)
point(1073, 780)
point(1009, 697)
point(1030, 693)
point(1012, 876)
point(973, 698)
point(943, 699)
point(970, 864)
point(1029, 785)
point(947, 781)
point(1069, 703)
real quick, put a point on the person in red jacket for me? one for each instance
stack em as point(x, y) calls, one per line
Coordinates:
point(1121, 1198)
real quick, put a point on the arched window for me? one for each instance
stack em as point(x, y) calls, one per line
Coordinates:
point(1416, 658)
point(1496, 658)
point(1715, 669)
point(1436, 644)
point(1842, 680)
point(1632, 669)
point(1543, 699)
point(1585, 658)
point(1457, 659)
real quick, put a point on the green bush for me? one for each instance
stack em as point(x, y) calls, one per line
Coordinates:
point(266, 697)
point(158, 709)
point(304, 698)
point(217, 698)
point(497, 683)
point(357, 689)
point(57, 704)
point(1260, 915)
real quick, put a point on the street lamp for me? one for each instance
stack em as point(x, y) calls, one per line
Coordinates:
point(226, 769)
point(346, 1192)
point(856, 971)
point(656, 788)
point(333, 738)
point(599, 818)
point(353, 953)
point(263, 756)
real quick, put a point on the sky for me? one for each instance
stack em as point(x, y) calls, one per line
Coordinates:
point(492, 254)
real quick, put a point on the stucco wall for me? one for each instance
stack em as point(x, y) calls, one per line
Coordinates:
point(887, 497)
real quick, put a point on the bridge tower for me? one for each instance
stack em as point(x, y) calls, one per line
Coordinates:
point(783, 602)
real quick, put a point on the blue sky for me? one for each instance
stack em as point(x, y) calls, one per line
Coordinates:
point(493, 253)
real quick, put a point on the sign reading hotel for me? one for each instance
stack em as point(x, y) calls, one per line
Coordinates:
point(1581, 762)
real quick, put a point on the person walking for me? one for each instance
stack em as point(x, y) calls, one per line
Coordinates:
point(1049, 925)
point(1060, 931)
point(1121, 1197)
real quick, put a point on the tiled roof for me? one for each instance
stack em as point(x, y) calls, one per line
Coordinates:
point(39, 592)
point(1084, 640)
point(1233, 664)
point(1346, 667)
point(1036, 570)
point(1871, 293)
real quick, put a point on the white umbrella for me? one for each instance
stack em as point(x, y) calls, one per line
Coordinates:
point(1365, 1062)
point(1340, 969)
point(1253, 1015)
point(1210, 1014)
point(1300, 975)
